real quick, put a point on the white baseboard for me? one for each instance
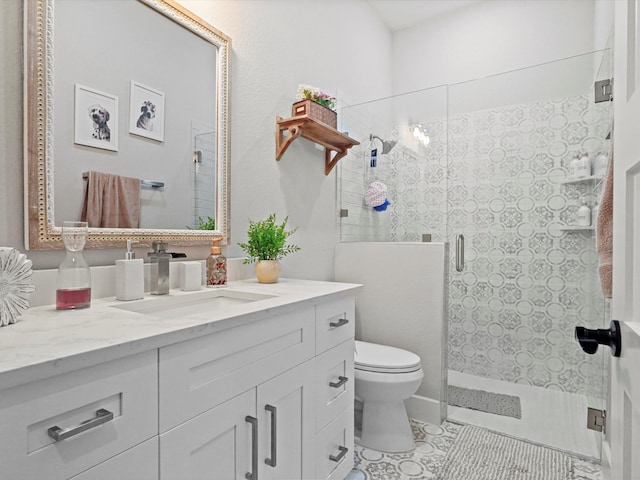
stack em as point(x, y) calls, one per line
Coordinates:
point(424, 409)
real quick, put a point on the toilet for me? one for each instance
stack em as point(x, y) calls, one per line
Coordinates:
point(384, 377)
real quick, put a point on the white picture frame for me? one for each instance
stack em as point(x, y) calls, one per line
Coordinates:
point(146, 112)
point(96, 118)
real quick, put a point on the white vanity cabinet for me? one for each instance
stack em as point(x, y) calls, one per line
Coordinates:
point(266, 395)
point(268, 388)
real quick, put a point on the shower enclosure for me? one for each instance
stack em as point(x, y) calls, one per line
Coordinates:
point(204, 172)
point(485, 166)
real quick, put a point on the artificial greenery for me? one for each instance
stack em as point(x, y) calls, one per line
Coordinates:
point(267, 240)
point(208, 224)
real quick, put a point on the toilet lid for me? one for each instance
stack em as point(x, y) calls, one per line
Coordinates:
point(382, 358)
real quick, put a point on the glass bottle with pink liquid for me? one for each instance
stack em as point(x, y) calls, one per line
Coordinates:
point(73, 285)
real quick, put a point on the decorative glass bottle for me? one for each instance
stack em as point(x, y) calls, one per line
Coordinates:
point(73, 285)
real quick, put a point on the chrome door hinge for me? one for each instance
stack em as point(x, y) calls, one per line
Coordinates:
point(604, 90)
point(596, 419)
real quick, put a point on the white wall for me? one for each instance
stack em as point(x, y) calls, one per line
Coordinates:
point(402, 304)
point(276, 45)
point(493, 37)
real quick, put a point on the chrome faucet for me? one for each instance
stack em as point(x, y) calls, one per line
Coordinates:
point(159, 263)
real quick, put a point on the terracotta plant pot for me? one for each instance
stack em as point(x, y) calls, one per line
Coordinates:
point(267, 271)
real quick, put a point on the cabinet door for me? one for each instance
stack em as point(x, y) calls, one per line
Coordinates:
point(215, 444)
point(286, 415)
point(138, 463)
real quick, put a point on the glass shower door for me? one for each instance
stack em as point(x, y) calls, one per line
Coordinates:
point(490, 160)
point(529, 272)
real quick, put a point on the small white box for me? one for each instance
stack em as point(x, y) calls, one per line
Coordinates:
point(190, 276)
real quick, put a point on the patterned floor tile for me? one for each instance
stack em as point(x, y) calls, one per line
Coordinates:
point(432, 445)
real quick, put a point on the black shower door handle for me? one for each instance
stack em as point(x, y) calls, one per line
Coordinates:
point(590, 339)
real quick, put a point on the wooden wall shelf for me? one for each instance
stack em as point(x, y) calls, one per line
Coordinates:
point(315, 131)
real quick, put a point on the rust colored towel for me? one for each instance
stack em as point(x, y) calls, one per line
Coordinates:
point(111, 201)
point(604, 232)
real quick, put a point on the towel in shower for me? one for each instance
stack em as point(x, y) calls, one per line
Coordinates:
point(604, 232)
point(111, 201)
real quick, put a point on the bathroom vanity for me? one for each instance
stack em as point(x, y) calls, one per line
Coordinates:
point(247, 382)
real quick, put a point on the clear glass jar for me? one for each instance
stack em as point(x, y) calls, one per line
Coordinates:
point(73, 285)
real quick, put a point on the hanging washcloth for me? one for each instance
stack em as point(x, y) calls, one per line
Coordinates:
point(111, 201)
point(604, 232)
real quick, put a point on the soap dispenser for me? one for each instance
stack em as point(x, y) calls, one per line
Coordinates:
point(129, 276)
point(216, 266)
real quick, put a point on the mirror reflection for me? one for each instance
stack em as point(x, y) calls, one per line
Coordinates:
point(139, 143)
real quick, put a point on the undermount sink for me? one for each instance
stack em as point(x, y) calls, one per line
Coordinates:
point(168, 306)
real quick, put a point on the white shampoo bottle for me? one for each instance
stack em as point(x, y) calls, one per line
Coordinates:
point(129, 276)
point(584, 214)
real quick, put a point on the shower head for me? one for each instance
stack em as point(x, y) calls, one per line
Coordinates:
point(386, 146)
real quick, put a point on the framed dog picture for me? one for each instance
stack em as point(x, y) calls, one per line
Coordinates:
point(96, 118)
point(146, 112)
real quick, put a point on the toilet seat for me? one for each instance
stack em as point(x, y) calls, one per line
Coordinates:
point(371, 357)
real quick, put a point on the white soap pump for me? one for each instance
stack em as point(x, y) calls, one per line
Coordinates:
point(129, 276)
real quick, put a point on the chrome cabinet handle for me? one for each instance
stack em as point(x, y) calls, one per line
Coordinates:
point(337, 458)
point(253, 474)
point(274, 428)
point(459, 252)
point(339, 323)
point(102, 416)
point(342, 381)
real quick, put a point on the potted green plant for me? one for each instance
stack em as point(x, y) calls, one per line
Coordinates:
point(266, 244)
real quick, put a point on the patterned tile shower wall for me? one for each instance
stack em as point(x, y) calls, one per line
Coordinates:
point(527, 282)
point(496, 176)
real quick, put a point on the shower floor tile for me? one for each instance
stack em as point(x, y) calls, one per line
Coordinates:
point(432, 444)
point(549, 417)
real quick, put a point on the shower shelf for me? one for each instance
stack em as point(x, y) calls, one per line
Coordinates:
point(315, 131)
point(571, 180)
point(576, 228)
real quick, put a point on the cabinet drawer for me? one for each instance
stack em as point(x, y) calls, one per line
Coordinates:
point(127, 388)
point(199, 374)
point(335, 382)
point(332, 461)
point(139, 463)
point(335, 323)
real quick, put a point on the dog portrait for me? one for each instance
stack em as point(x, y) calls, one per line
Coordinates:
point(96, 118)
point(148, 113)
point(100, 116)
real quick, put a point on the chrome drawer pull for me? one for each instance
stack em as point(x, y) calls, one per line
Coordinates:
point(342, 381)
point(274, 427)
point(102, 416)
point(253, 474)
point(339, 323)
point(340, 456)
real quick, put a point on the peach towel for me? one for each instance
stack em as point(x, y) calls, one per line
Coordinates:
point(111, 201)
point(604, 232)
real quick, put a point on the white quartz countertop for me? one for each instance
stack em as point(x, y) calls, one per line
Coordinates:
point(46, 342)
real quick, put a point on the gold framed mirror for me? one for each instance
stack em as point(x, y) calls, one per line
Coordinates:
point(42, 226)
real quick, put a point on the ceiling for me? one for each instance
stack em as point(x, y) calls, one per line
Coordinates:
point(400, 14)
